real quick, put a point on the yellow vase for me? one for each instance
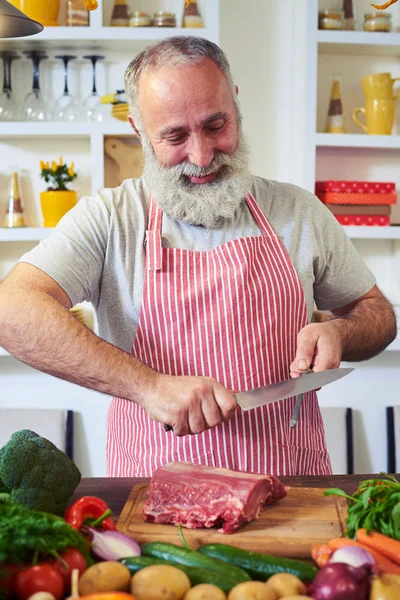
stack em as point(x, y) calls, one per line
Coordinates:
point(55, 204)
point(44, 11)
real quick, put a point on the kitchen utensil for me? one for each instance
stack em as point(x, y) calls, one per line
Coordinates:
point(289, 388)
point(289, 528)
point(35, 107)
point(66, 108)
point(299, 402)
point(128, 159)
point(380, 104)
point(285, 389)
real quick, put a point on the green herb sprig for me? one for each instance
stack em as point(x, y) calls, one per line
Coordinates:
point(25, 534)
point(375, 505)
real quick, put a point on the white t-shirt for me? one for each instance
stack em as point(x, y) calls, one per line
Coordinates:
point(96, 252)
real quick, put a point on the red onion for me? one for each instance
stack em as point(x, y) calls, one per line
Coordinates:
point(112, 545)
point(338, 581)
point(354, 556)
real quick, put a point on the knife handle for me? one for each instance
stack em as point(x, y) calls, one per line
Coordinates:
point(169, 428)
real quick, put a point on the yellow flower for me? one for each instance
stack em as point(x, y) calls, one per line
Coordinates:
point(42, 165)
point(46, 165)
point(60, 162)
point(54, 166)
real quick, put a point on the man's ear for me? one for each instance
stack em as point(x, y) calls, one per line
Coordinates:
point(237, 90)
point(133, 126)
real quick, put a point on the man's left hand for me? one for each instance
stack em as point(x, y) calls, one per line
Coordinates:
point(319, 346)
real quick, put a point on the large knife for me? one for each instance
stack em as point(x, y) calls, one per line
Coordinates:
point(289, 388)
point(286, 389)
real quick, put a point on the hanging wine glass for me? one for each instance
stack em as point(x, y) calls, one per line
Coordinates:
point(9, 110)
point(35, 107)
point(66, 107)
point(92, 107)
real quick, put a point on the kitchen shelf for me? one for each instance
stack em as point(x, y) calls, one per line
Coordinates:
point(358, 42)
point(357, 140)
point(72, 130)
point(24, 234)
point(106, 38)
point(364, 232)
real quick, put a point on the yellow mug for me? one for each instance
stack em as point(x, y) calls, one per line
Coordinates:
point(55, 203)
point(44, 11)
point(379, 116)
point(379, 85)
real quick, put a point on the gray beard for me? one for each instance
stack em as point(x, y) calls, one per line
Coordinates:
point(207, 204)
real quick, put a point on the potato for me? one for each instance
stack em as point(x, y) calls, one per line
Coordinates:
point(285, 584)
point(106, 576)
point(251, 590)
point(160, 582)
point(205, 591)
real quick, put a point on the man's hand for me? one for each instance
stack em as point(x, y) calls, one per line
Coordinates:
point(354, 332)
point(188, 404)
point(319, 345)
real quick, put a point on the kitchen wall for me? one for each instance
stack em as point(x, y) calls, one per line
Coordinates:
point(265, 41)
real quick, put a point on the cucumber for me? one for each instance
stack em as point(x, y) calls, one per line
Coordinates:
point(259, 566)
point(196, 575)
point(191, 558)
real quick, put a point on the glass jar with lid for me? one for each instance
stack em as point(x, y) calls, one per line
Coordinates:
point(164, 19)
point(140, 19)
point(378, 21)
point(331, 19)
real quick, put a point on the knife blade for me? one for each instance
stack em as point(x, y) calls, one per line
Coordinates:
point(289, 388)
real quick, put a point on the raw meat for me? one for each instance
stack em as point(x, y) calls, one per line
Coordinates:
point(199, 496)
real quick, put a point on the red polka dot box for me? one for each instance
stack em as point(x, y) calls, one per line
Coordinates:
point(356, 192)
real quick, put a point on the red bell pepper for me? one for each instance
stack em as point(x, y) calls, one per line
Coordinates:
point(89, 510)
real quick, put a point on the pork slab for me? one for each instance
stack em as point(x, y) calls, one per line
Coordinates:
point(200, 496)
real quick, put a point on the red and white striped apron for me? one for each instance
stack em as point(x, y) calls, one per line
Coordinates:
point(232, 313)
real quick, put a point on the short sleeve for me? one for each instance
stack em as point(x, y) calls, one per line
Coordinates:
point(340, 275)
point(73, 255)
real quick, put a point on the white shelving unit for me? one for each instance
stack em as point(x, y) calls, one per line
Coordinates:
point(353, 155)
point(24, 234)
point(119, 45)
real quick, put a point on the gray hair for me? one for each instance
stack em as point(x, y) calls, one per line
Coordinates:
point(175, 51)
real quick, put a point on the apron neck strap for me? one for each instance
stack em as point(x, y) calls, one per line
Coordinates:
point(258, 214)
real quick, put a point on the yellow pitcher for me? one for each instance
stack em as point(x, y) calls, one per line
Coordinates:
point(380, 104)
point(44, 11)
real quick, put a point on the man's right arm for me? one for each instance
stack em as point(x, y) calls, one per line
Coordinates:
point(37, 328)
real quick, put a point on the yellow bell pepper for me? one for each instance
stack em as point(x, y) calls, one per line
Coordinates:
point(385, 587)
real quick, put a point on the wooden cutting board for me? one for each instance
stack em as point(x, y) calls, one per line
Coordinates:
point(289, 528)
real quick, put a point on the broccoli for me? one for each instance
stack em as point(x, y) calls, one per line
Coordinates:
point(36, 474)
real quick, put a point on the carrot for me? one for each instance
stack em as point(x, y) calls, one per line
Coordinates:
point(385, 565)
point(321, 553)
point(382, 543)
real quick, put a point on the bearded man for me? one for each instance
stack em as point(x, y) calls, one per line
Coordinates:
point(204, 279)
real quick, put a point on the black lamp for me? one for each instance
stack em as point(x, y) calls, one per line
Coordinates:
point(13, 22)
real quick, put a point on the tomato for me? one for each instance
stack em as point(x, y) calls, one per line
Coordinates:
point(74, 560)
point(41, 578)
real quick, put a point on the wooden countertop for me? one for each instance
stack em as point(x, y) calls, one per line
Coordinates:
point(115, 490)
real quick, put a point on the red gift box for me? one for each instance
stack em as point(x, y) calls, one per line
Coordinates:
point(366, 199)
point(372, 220)
point(356, 187)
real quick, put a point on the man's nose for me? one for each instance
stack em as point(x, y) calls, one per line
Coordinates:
point(201, 152)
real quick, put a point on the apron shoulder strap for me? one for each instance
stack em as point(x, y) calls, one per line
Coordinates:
point(153, 237)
